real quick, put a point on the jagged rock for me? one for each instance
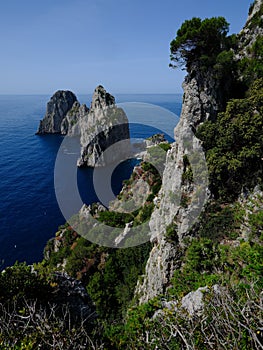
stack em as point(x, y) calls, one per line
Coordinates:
point(124, 233)
point(99, 128)
point(57, 108)
point(71, 123)
point(101, 99)
point(255, 8)
point(71, 292)
point(250, 32)
point(155, 140)
point(105, 126)
point(193, 302)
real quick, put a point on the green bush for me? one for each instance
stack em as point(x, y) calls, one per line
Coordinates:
point(234, 145)
point(199, 41)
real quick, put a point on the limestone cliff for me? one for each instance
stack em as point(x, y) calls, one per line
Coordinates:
point(252, 30)
point(57, 108)
point(203, 99)
point(165, 256)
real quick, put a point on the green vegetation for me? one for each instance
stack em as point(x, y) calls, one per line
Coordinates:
point(251, 67)
point(256, 20)
point(234, 153)
point(237, 269)
point(207, 263)
point(223, 251)
point(199, 41)
point(18, 282)
point(110, 275)
point(220, 221)
point(187, 176)
point(115, 219)
point(33, 315)
point(165, 146)
point(171, 233)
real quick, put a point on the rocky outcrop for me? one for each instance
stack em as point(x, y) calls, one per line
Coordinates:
point(57, 108)
point(191, 305)
point(71, 293)
point(100, 127)
point(251, 31)
point(106, 125)
point(255, 8)
point(71, 123)
point(198, 106)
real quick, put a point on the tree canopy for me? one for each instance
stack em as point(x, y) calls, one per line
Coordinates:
point(199, 40)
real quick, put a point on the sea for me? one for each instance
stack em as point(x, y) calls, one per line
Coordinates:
point(29, 211)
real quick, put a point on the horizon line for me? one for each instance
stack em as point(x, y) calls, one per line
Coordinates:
point(91, 93)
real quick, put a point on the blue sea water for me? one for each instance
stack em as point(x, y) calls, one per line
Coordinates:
point(29, 213)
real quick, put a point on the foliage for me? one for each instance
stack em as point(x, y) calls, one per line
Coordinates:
point(208, 263)
point(199, 40)
point(19, 282)
point(231, 316)
point(33, 328)
point(185, 200)
point(187, 176)
point(171, 233)
point(111, 287)
point(250, 67)
point(256, 223)
point(220, 221)
point(234, 145)
point(165, 146)
point(156, 156)
point(256, 20)
point(115, 219)
point(227, 322)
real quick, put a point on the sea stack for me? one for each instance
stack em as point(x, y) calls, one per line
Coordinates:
point(102, 126)
point(105, 126)
point(57, 108)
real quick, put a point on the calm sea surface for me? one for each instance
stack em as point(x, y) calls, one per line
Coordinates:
point(29, 213)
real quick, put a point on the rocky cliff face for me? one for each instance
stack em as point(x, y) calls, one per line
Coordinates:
point(57, 108)
point(164, 258)
point(202, 101)
point(252, 30)
point(105, 126)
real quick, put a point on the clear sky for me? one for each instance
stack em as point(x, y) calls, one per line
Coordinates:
point(48, 45)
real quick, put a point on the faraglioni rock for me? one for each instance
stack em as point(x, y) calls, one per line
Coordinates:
point(57, 108)
point(100, 128)
point(70, 124)
point(105, 136)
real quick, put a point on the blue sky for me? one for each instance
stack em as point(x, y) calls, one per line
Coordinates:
point(78, 44)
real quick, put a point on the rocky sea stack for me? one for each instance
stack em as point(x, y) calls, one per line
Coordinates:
point(57, 108)
point(106, 125)
point(99, 127)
